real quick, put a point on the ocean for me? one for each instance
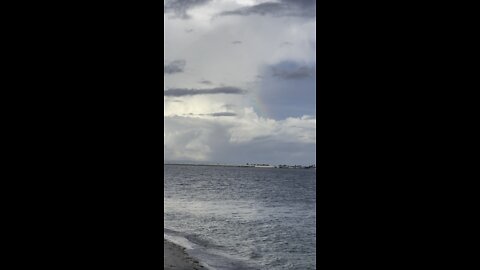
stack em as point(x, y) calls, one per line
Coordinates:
point(242, 218)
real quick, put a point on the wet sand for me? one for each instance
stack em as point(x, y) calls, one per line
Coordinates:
point(175, 258)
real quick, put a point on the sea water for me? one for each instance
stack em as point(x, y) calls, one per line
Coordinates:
point(242, 218)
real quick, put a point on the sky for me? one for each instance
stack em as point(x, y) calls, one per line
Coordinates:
point(240, 81)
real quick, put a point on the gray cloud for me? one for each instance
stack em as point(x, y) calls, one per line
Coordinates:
point(176, 66)
point(236, 42)
point(182, 92)
point(180, 7)
point(293, 74)
point(220, 114)
point(207, 82)
point(294, 8)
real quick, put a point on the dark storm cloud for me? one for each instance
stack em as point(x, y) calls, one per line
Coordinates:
point(182, 92)
point(293, 73)
point(180, 7)
point(295, 8)
point(176, 66)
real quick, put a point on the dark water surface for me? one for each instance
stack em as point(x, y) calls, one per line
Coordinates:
point(242, 218)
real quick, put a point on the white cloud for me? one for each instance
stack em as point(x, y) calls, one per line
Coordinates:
point(204, 138)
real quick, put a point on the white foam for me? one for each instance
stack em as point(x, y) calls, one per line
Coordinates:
point(178, 240)
point(210, 259)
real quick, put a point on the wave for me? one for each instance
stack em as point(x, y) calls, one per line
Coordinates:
point(207, 253)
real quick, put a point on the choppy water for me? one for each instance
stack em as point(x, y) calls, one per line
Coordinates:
point(242, 218)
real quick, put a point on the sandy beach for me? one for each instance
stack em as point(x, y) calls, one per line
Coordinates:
point(175, 258)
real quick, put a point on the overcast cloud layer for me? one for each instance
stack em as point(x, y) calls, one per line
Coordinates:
point(240, 81)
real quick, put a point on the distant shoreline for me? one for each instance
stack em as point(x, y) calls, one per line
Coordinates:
point(240, 166)
point(207, 165)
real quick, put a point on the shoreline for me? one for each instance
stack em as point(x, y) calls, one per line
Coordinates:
point(283, 167)
point(176, 258)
